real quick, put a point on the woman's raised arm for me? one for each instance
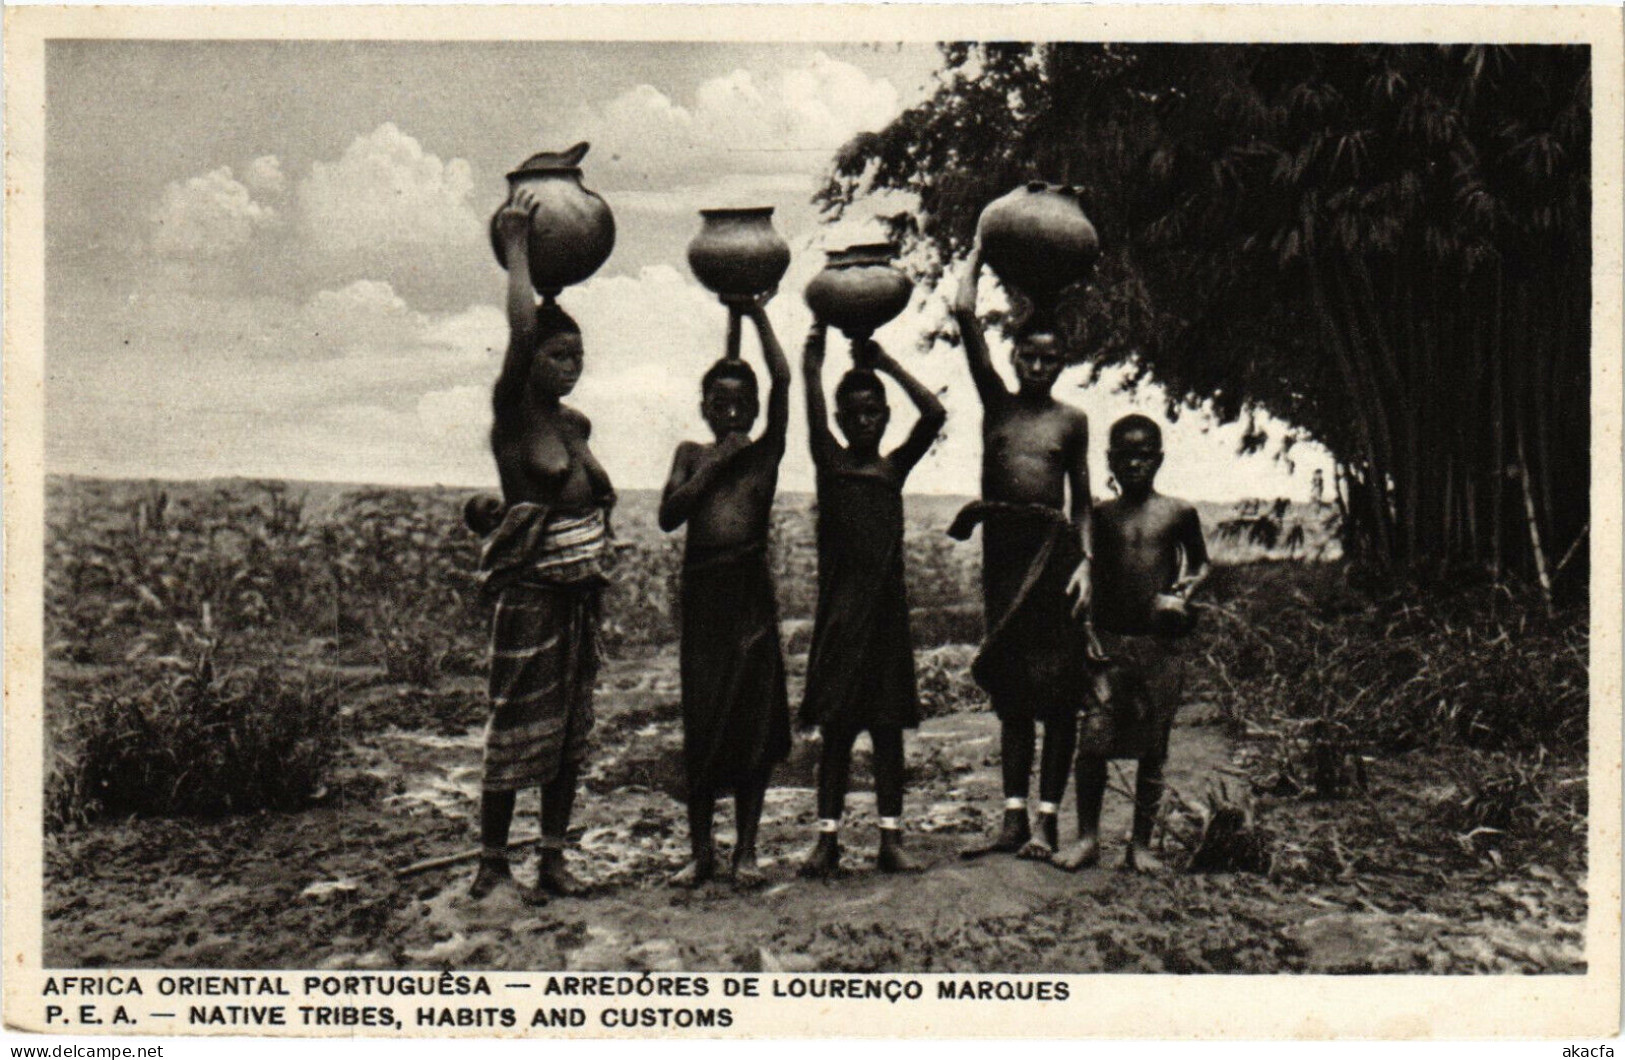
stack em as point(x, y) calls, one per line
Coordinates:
point(513, 231)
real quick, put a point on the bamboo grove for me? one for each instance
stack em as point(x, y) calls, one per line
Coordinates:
point(1384, 246)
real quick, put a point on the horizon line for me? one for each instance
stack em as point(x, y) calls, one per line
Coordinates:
point(362, 483)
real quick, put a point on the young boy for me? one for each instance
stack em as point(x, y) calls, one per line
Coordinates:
point(860, 670)
point(1146, 546)
point(1034, 661)
point(736, 716)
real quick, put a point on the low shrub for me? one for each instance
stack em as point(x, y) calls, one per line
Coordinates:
point(1295, 649)
point(415, 653)
point(944, 680)
point(1494, 795)
point(1318, 676)
point(188, 737)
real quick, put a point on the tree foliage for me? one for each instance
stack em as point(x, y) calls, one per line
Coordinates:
point(1384, 246)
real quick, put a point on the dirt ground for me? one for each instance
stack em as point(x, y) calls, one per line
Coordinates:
point(321, 888)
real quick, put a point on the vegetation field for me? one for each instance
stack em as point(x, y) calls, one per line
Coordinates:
point(265, 700)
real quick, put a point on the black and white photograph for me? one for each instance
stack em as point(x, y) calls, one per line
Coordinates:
point(908, 502)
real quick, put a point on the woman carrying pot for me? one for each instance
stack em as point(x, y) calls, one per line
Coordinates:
point(543, 565)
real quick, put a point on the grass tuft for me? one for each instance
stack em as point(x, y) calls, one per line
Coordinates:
point(184, 735)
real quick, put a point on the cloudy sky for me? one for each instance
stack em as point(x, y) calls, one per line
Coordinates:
point(271, 259)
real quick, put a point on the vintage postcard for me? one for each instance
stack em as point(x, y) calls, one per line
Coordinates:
point(812, 520)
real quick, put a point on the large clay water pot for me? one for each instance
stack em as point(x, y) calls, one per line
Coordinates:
point(859, 290)
point(1038, 241)
point(737, 252)
point(572, 230)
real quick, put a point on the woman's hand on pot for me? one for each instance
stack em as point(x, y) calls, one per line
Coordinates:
point(513, 219)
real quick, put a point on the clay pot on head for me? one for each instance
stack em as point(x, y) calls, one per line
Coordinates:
point(572, 230)
point(737, 252)
point(1038, 241)
point(859, 290)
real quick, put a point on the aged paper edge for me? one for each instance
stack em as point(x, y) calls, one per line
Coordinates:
point(1197, 1007)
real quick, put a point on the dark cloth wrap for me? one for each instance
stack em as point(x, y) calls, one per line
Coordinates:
point(1136, 696)
point(1034, 660)
point(860, 669)
point(736, 714)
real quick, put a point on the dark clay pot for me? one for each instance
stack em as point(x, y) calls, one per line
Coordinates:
point(572, 230)
point(859, 289)
point(1038, 241)
point(737, 252)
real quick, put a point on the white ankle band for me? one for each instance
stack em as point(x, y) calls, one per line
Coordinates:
point(1047, 807)
point(891, 824)
point(829, 824)
point(1015, 803)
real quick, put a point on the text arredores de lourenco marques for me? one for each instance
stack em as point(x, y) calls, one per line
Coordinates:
point(449, 1000)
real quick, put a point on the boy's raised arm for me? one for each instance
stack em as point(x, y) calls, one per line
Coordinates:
point(988, 384)
point(822, 440)
point(694, 471)
point(1082, 505)
point(932, 414)
point(778, 370)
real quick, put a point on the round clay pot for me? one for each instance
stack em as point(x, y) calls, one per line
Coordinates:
point(737, 252)
point(1038, 241)
point(859, 289)
point(572, 230)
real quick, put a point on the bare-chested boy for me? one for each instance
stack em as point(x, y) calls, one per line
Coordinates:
point(1035, 511)
point(1149, 558)
point(736, 716)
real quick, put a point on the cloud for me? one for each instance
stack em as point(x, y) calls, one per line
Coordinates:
point(357, 384)
point(353, 383)
point(207, 216)
point(366, 314)
point(387, 195)
point(741, 121)
point(369, 297)
point(265, 176)
point(366, 322)
point(477, 331)
point(385, 210)
point(731, 189)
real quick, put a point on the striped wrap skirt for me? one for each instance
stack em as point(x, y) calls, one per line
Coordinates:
point(544, 662)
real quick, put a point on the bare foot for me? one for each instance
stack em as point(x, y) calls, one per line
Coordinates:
point(492, 874)
point(554, 877)
point(1035, 849)
point(1140, 859)
point(1083, 856)
point(824, 860)
point(1013, 835)
point(892, 857)
point(1048, 828)
point(694, 873)
point(747, 873)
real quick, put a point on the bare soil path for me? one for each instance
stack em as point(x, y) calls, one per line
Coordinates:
point(319, 889)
